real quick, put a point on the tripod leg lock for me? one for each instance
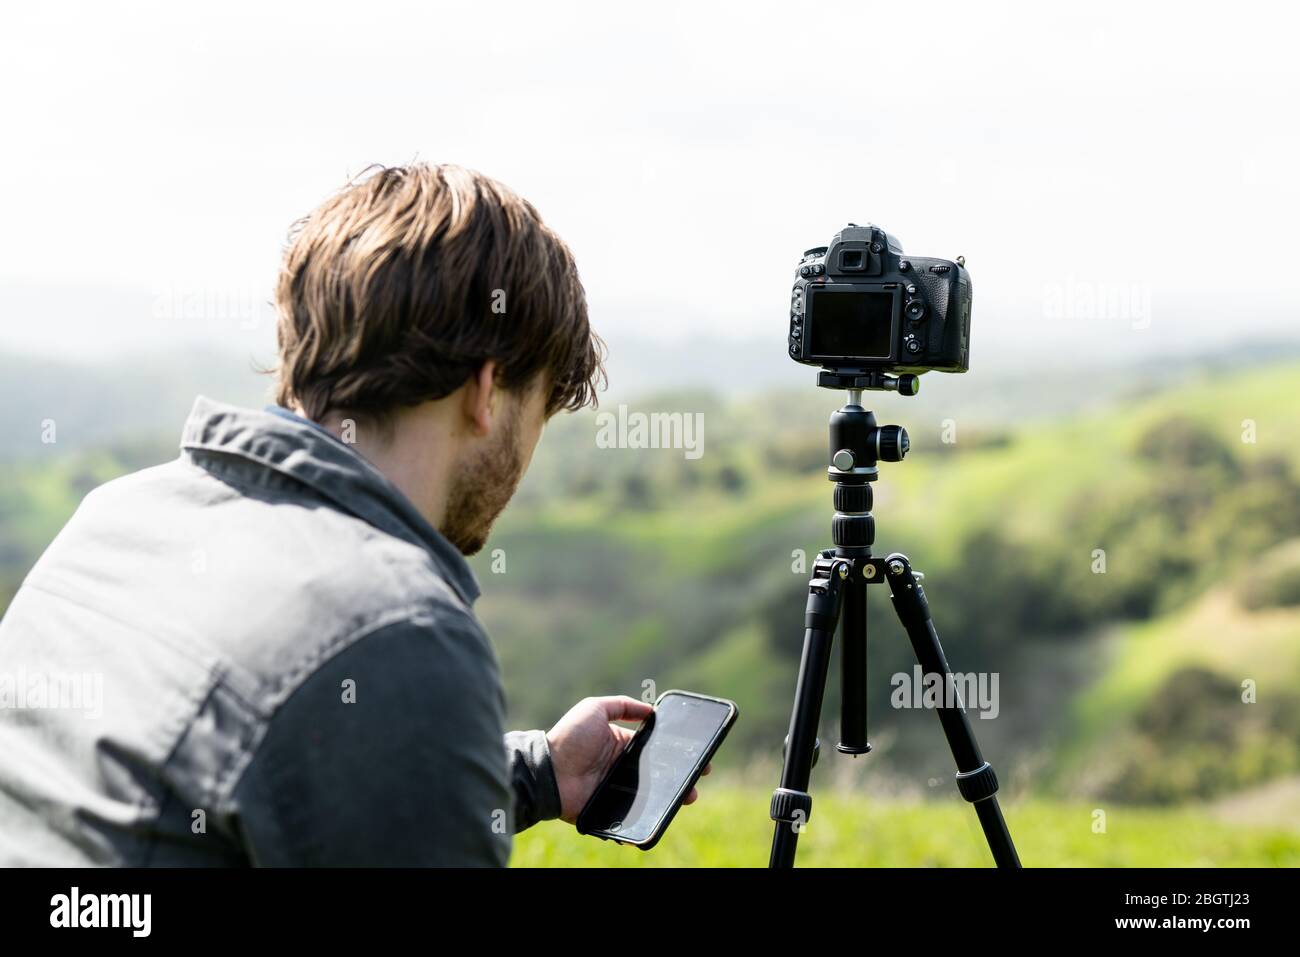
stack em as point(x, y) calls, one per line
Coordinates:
point(790, 806)
point(905, 587)
point(824, 593)
point(978, 785)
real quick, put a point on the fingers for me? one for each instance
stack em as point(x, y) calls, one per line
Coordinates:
point(695, 793)
point(622, 708)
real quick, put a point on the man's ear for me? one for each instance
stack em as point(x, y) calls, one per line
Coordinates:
point(481, 398)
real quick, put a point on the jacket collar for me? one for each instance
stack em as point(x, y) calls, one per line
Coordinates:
point(300, 449)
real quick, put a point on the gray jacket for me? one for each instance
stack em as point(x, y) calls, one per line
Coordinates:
point(258, 653)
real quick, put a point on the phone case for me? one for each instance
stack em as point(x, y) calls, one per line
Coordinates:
point(705, 757)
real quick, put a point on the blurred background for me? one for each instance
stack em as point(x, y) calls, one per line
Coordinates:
point(1106, 507)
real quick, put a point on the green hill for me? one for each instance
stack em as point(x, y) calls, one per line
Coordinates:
point(624, 568)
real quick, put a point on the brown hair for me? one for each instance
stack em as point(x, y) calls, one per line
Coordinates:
point(397, 289)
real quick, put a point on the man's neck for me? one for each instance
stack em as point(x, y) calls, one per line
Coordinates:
point(415, 455)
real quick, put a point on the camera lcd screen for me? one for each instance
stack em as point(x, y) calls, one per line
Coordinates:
point(854, 324)
point(649, 776)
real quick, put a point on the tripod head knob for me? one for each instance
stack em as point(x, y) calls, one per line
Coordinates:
point(892, 443)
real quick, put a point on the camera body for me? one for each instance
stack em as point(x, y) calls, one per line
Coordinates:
point(861, 305)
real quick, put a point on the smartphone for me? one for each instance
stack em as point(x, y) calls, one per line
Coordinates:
point(644, 789)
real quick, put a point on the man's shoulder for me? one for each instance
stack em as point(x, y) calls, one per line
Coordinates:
point(313, 581)
point(250, 573)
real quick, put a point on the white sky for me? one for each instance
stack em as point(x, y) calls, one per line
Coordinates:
point(1101, 166)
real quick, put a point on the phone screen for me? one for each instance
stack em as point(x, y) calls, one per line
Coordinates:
point(644, 785)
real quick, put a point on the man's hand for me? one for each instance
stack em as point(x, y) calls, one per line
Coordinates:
point(584, 745)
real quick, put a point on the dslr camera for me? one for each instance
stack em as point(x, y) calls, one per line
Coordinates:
point(861, 307)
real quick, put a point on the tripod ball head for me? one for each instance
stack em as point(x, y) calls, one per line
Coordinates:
point(858, 443)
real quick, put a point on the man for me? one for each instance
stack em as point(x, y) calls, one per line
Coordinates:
point(280, 621)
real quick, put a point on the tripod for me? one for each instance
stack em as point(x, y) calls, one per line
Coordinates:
point(838, 591)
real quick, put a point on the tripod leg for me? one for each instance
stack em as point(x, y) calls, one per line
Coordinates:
point(791, 803)
point(975, 778)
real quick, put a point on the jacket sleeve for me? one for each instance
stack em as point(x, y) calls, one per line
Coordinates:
point(532, 777)
point(388, 754)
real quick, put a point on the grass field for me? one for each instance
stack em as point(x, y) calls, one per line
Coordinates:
point(729, 828)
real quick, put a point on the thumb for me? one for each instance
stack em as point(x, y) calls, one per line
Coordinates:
point(623, 708)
